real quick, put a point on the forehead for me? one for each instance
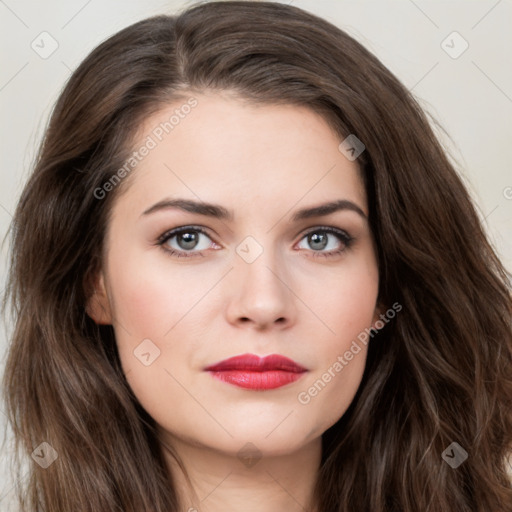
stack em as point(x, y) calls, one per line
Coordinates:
point(222, 149)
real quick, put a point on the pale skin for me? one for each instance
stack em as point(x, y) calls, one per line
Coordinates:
point(263, 163)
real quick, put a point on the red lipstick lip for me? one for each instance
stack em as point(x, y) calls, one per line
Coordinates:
point(254, 363)
point(256, 373)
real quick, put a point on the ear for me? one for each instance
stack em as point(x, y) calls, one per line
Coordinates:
point(379, 309)
point(98, 305)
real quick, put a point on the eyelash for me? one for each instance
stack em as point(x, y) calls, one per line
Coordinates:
point(344, 237)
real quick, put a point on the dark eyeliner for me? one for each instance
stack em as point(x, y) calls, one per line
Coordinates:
point(167, 235)
point(342, 235)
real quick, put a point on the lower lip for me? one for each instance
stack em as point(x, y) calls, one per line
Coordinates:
point(257, 380)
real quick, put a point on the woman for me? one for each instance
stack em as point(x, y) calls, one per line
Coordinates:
point(246, 276)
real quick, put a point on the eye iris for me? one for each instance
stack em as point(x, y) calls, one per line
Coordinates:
point(188, 240)
point(316, 238)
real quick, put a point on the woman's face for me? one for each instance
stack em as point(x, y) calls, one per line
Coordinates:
point(260, 273)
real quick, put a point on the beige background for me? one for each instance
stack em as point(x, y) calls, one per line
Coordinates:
point(470, 95)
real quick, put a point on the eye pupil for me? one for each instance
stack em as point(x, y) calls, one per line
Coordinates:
point(188, 238)
point(316, 238)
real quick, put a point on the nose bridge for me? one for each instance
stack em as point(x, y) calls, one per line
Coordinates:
point(260, 265)
point(261, 288)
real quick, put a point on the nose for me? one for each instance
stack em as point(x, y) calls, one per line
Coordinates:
point(262, 296)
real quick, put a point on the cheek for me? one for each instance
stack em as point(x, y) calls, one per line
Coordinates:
point(349, 311)
point(349, 303)
point(331, 387)
point(328, 395)
point(148, 300)
point(156, 321)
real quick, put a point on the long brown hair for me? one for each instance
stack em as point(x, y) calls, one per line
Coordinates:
point(440, 373)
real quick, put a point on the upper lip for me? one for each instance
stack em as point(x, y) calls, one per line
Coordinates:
point(254, 363)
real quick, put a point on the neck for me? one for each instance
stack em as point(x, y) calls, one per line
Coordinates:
point(208, 480)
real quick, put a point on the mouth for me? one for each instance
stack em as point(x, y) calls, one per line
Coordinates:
point(250, 371)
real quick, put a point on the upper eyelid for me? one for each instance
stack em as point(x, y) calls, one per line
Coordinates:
point(181, 229)
point(330, 229)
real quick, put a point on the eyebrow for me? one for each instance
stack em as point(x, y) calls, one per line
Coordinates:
point(219, 212)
